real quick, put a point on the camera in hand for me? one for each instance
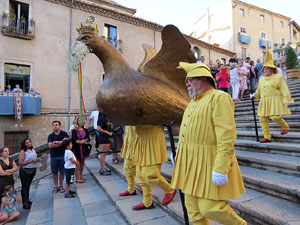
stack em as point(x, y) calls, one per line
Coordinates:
point(11, 193)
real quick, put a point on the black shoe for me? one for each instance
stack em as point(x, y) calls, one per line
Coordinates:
point(72, 192)
point(29, 202)
point(69, 195)
point(104, 173)
point(26, 206)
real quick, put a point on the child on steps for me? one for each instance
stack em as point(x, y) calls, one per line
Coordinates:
point(9, 204)
point(70, 165)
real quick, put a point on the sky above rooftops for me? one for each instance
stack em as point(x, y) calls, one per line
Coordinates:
point(184, 13)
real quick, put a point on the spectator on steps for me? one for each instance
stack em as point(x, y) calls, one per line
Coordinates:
point(81, 146)
point(9, 203)
point(105, 134)
point(7, 168)
point(274, 96)
point(70, 165)
point(223, 78)
point(28, 162)
point(94, 117)
point(57, 152)
point(235, 81)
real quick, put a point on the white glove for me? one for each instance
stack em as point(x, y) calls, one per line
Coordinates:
point(172, 159)
point(286, 105)
point(252, 95)
point(219, 178)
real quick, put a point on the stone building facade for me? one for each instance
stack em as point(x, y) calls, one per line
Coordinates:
point(245, 29)
point(40, 44)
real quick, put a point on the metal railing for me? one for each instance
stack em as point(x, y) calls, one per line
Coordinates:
point(17, 27)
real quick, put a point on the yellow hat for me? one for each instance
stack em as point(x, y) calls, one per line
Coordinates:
point(196, 70)
point(269, 62)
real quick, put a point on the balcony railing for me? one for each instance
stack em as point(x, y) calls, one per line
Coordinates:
point(20, 28)
point(31, 103)
point(244, 38)
point(265, 43)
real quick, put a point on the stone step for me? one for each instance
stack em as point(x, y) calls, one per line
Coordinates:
point(293, 126)
point(278, 185)
point(41, 211)
point(248, 108)
point(284, 164)
point(290, 137)
point(257, 208)
point(281, 169)
point(67, 211)
point(96, 204)
point(248, 118)
point(249, 112)
point(24, 212)
point(115, 184)
point(270, 147)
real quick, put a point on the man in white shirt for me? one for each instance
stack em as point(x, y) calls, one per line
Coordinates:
point(94, 116)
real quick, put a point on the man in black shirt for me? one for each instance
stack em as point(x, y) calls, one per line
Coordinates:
point(233, 59)
point(57, 152)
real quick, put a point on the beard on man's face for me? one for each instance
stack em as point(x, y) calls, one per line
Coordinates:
point(192, 92)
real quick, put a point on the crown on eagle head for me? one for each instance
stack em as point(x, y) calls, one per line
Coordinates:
point(88, 27)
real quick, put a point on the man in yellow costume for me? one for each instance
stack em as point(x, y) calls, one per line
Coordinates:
point(206, 168)
point(129, 167)
point(150, 153)
point(275, 95)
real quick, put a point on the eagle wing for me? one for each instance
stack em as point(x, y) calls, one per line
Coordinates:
point(175, 48)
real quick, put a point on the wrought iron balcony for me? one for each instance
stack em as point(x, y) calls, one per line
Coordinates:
point(18, 27)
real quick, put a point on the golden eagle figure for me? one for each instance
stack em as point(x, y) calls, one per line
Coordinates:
point(154, 93)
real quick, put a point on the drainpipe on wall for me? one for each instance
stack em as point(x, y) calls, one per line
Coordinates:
point(69, 71)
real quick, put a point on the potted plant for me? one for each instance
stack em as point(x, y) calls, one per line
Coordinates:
point(13, 29)
point(22, 18)
point(291, 63)
point(29, 32)
point(4, 28)
point(12, 16)
point(4, 15)
point(32, 21)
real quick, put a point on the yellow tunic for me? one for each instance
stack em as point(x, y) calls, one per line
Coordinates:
point(206, 143)
point(274, 94)
point(150, 145)
point(128, 144)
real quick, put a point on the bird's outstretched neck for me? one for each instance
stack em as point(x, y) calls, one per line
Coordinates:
point(112, 60)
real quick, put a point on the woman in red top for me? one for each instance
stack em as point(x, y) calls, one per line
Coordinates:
point(223, 78)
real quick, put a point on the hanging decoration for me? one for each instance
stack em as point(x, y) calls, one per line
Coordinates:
point(81, 102)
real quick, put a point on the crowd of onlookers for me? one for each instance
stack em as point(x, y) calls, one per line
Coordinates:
point(17, 89)
point(239, 76)
point(67, 159)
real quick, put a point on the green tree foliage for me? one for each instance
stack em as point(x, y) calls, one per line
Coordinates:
point(291, 59)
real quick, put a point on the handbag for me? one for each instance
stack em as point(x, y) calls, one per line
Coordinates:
point(87, 149)
point(29, 171)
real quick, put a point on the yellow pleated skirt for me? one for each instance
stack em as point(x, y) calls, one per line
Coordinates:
point(272, 106)
point(150, 145)
point(193, 173)
point(128, 143)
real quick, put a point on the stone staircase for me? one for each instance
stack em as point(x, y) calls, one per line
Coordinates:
point(271, 174)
